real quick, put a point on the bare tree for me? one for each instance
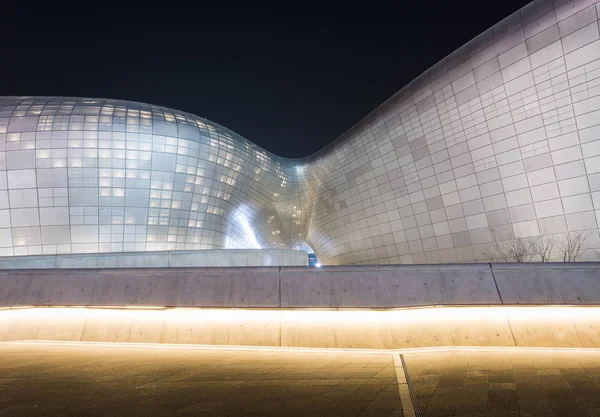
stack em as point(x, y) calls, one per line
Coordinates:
point(571, 248)
point(543, 247)
point(518, 250)
point(496, 253)
point(522, 250)
point(511, 250)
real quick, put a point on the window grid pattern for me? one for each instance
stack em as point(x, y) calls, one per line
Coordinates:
point(82, 175)
point(499, 141)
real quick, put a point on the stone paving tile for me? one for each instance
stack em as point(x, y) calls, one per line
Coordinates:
point(88, 380)
point(506, 383)
point(53, 380)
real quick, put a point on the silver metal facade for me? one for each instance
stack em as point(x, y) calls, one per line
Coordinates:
point(499, 141)
point(94, 175)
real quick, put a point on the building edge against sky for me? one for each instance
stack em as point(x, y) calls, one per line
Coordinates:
point(499, 141)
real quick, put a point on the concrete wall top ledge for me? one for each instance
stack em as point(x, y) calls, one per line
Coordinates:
point(375, 268)
point(546, 265)
point(229, 271)
point(160, 259)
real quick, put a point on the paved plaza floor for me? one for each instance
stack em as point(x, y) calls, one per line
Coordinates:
point(39, 379)
point(58, 379)
point(506, 383)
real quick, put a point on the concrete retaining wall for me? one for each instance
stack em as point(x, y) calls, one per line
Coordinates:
point(388, 286)
point(165, 259)
point(155, 287)
point(342, 307)
point(548, 283)
point(304, 287)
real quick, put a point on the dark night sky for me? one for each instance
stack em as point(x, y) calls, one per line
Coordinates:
point(290, 78)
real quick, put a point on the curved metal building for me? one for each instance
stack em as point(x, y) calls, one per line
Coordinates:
point(498, 142)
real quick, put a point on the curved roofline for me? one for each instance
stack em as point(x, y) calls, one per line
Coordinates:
point(79, 98)
point(344, 136)
point(404, 90)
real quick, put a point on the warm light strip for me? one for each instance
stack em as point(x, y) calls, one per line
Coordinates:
point(477, 327)
point(133, 345)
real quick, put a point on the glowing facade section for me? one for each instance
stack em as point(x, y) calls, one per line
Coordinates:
point(93, 175)
point(497, 143)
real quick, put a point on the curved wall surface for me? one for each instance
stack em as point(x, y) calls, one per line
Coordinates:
point(95, 175)
point(497, 142)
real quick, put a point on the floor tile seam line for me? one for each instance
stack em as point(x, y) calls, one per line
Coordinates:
point(411, 389)
point(406, 400)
